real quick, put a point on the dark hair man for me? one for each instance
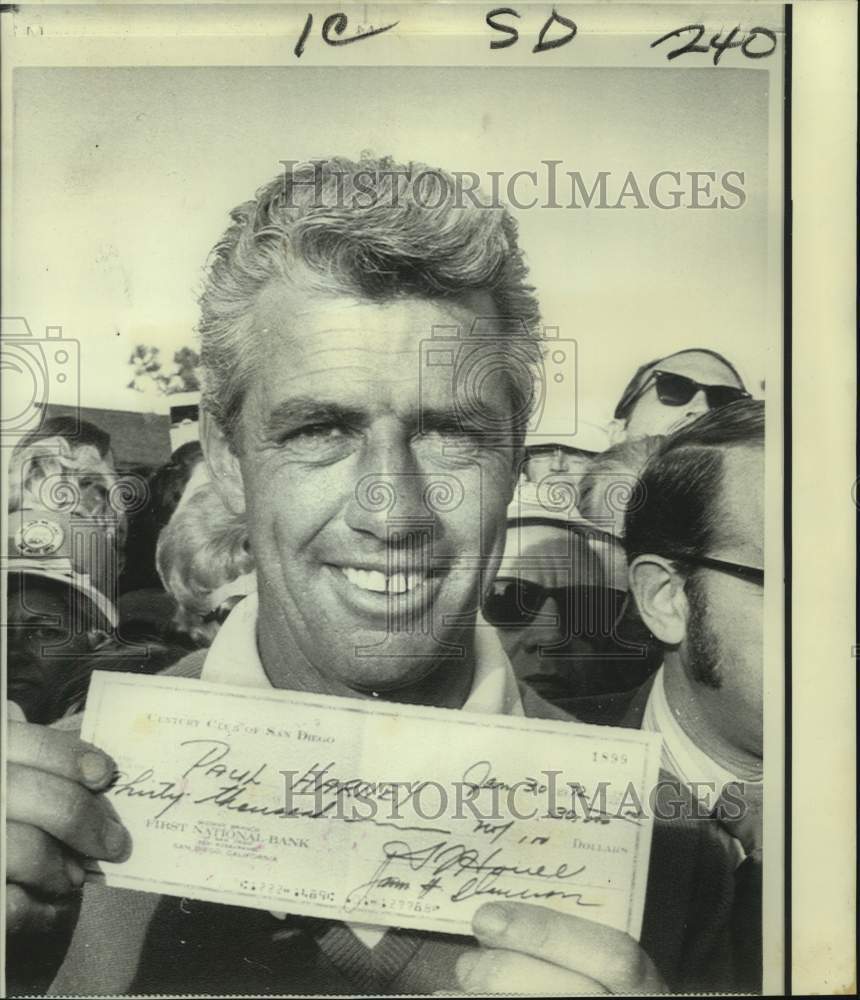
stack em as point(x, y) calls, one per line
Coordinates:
point(667, 393)
point(314, 322)
point(77, 432)
point(695, 547)
point(696, 551)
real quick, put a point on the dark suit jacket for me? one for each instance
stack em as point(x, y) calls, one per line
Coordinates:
point(129, 942)
point(744, 956)
point(625, 709)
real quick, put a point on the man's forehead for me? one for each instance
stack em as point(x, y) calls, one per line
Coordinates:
point(336, 347)
point(296, 311)
point(740, 508)
point(699, 365)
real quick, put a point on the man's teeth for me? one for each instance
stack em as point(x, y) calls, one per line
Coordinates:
point(371, 579)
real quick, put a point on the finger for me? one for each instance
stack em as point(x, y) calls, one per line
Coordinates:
point(604, 954)
point(36, 860)
point(59, 752)
point(77, 818)
point(491, 970)
point(14, 712)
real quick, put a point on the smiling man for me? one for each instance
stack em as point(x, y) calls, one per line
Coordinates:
point(333, 417)
point(374, 453)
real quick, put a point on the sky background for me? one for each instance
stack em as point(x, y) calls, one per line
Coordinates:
point(123, 179)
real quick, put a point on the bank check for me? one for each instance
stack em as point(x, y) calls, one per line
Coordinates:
point(371, 812)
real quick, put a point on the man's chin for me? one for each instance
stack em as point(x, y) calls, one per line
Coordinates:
point(389, 665)
point(393, 664)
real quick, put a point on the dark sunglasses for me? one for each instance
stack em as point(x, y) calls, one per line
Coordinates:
point(752, 574)
point(678, 390)
point(516, 603)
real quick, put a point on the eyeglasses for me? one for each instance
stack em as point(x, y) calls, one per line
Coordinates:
point(750, 573)
point(678, 390)
point(582, 610)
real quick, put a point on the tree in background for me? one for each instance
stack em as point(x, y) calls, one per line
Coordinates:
point(150, 371)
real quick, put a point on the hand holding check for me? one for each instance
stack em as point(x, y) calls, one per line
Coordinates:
point(531, 949)
point(54, 817)
point(58, 816)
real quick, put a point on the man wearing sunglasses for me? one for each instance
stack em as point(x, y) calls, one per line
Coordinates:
point(558, 602)
point(667, 393)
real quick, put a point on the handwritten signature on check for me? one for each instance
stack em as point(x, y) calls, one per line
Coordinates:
point(411, 868)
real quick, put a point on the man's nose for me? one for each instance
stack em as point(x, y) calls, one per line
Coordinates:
point(559, 461)
point(697, 405)
point(388, 494)
point(545, 630)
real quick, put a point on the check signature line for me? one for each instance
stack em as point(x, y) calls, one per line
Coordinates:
point(396, 826)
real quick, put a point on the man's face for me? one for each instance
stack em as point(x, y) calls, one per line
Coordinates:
point(42, 648)
point(554, 460)
point(524, 646)
point(361, 561)
point(723, 647)
point(650, 416)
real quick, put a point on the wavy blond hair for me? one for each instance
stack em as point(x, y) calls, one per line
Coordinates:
point(202, 548)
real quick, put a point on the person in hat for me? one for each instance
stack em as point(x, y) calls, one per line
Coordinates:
point(669, 392)
point(562, 455)
point(56, 617)
point(560, 604)
point(71, 477)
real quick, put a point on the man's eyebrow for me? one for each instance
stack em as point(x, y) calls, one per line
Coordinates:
point(465, 418)
point(303, 410)
point(446, 419)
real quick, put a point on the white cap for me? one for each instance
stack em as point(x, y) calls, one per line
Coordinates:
point(588, 437)
point(78, 581)
point(548, 541)
point(39, 545)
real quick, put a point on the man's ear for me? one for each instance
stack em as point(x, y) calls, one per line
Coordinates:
point(617, 431)
point(659, 592)
point(223, 464)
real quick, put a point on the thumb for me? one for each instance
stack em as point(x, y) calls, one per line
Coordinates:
point(14, 712)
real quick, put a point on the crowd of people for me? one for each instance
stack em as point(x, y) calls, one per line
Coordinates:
point(162, 580)
point(620, 567)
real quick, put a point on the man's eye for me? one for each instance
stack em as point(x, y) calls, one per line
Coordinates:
point(47, 635)
point(317, 439)
point(451, 443)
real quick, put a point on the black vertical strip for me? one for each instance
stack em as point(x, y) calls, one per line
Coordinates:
point(787, 466)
